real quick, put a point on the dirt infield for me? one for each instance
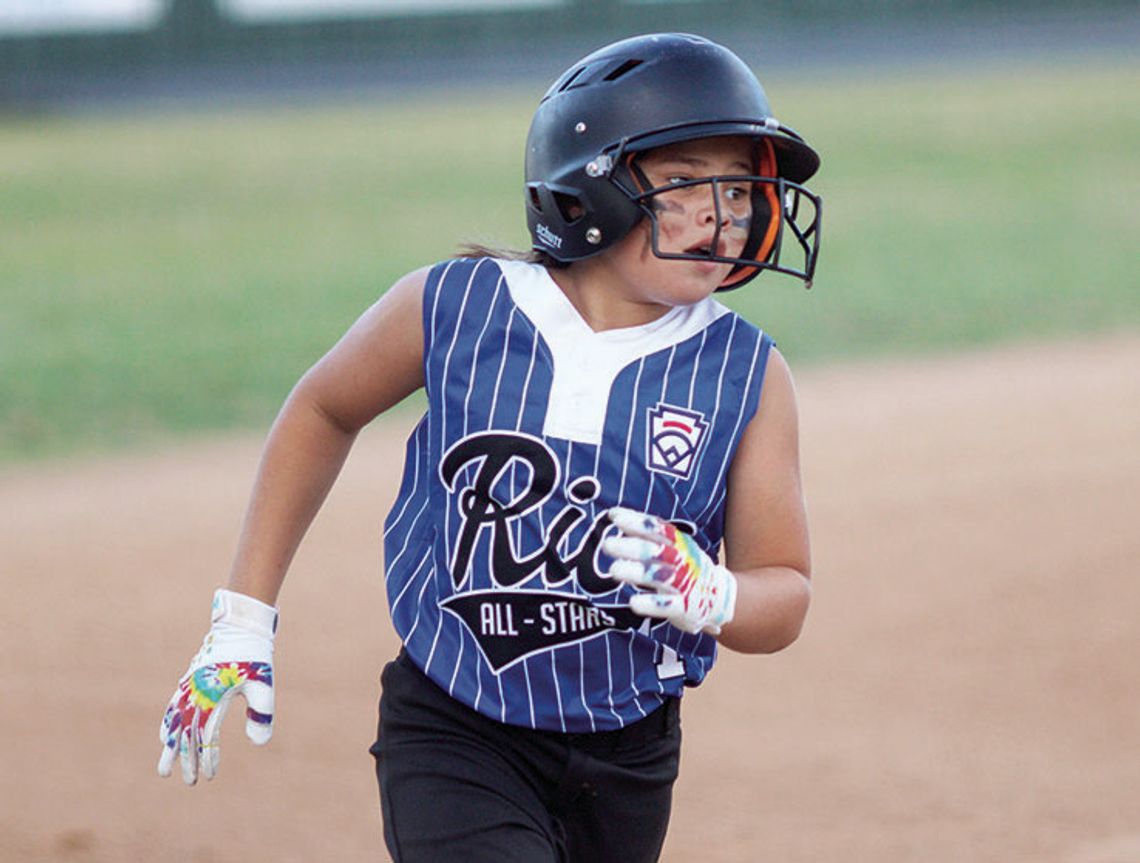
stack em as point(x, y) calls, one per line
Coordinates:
point(967, 688)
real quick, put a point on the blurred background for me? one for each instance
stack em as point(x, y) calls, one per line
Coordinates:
point(198, 196)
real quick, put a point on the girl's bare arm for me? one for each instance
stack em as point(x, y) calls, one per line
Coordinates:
point(376, 364)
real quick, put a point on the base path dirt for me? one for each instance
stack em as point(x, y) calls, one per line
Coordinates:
point(967, 689)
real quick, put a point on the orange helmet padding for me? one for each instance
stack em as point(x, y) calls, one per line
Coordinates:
point(766, 167)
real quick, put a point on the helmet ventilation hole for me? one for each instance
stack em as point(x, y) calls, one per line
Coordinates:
point(569, 206)
point(571, 78)
point(623, 69)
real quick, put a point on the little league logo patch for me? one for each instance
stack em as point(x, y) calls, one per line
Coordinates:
point(675, 438)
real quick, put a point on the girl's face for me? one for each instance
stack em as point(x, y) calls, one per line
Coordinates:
point(688, 216)
point(689, 219)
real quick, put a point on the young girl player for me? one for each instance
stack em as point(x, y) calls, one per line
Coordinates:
point(598, 427)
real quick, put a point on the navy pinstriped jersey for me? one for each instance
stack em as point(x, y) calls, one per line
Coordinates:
point(535, 426)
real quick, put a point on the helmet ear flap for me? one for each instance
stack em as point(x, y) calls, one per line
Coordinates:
point(556, 211)
point(547, 200)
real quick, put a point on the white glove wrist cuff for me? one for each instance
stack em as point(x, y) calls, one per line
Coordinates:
point(244, 611)
point(728, 608)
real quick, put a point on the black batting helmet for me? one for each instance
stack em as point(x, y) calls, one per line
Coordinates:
point(583, 189)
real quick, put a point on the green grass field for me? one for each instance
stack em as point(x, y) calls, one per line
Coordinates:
point(173, 273)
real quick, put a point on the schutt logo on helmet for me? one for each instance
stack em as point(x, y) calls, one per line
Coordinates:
point(547, 236)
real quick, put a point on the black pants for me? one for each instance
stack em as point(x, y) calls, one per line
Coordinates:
point(457, 786)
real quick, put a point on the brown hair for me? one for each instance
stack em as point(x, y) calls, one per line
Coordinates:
point(530, 256)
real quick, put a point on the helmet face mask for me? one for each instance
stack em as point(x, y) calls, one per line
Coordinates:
point(785, 240)
point(759, 206)
point(585, 190)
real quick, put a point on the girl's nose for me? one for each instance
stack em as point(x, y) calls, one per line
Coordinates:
point(715, 206)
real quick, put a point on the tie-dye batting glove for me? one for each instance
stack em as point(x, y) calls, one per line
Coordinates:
point(683, 584)
point(236, 657)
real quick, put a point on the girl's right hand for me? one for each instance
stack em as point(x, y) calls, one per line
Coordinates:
point(236, 658)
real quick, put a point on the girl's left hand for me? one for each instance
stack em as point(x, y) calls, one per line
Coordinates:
point(684, 585)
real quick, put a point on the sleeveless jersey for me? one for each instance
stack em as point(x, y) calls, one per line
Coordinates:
point(535, 426)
